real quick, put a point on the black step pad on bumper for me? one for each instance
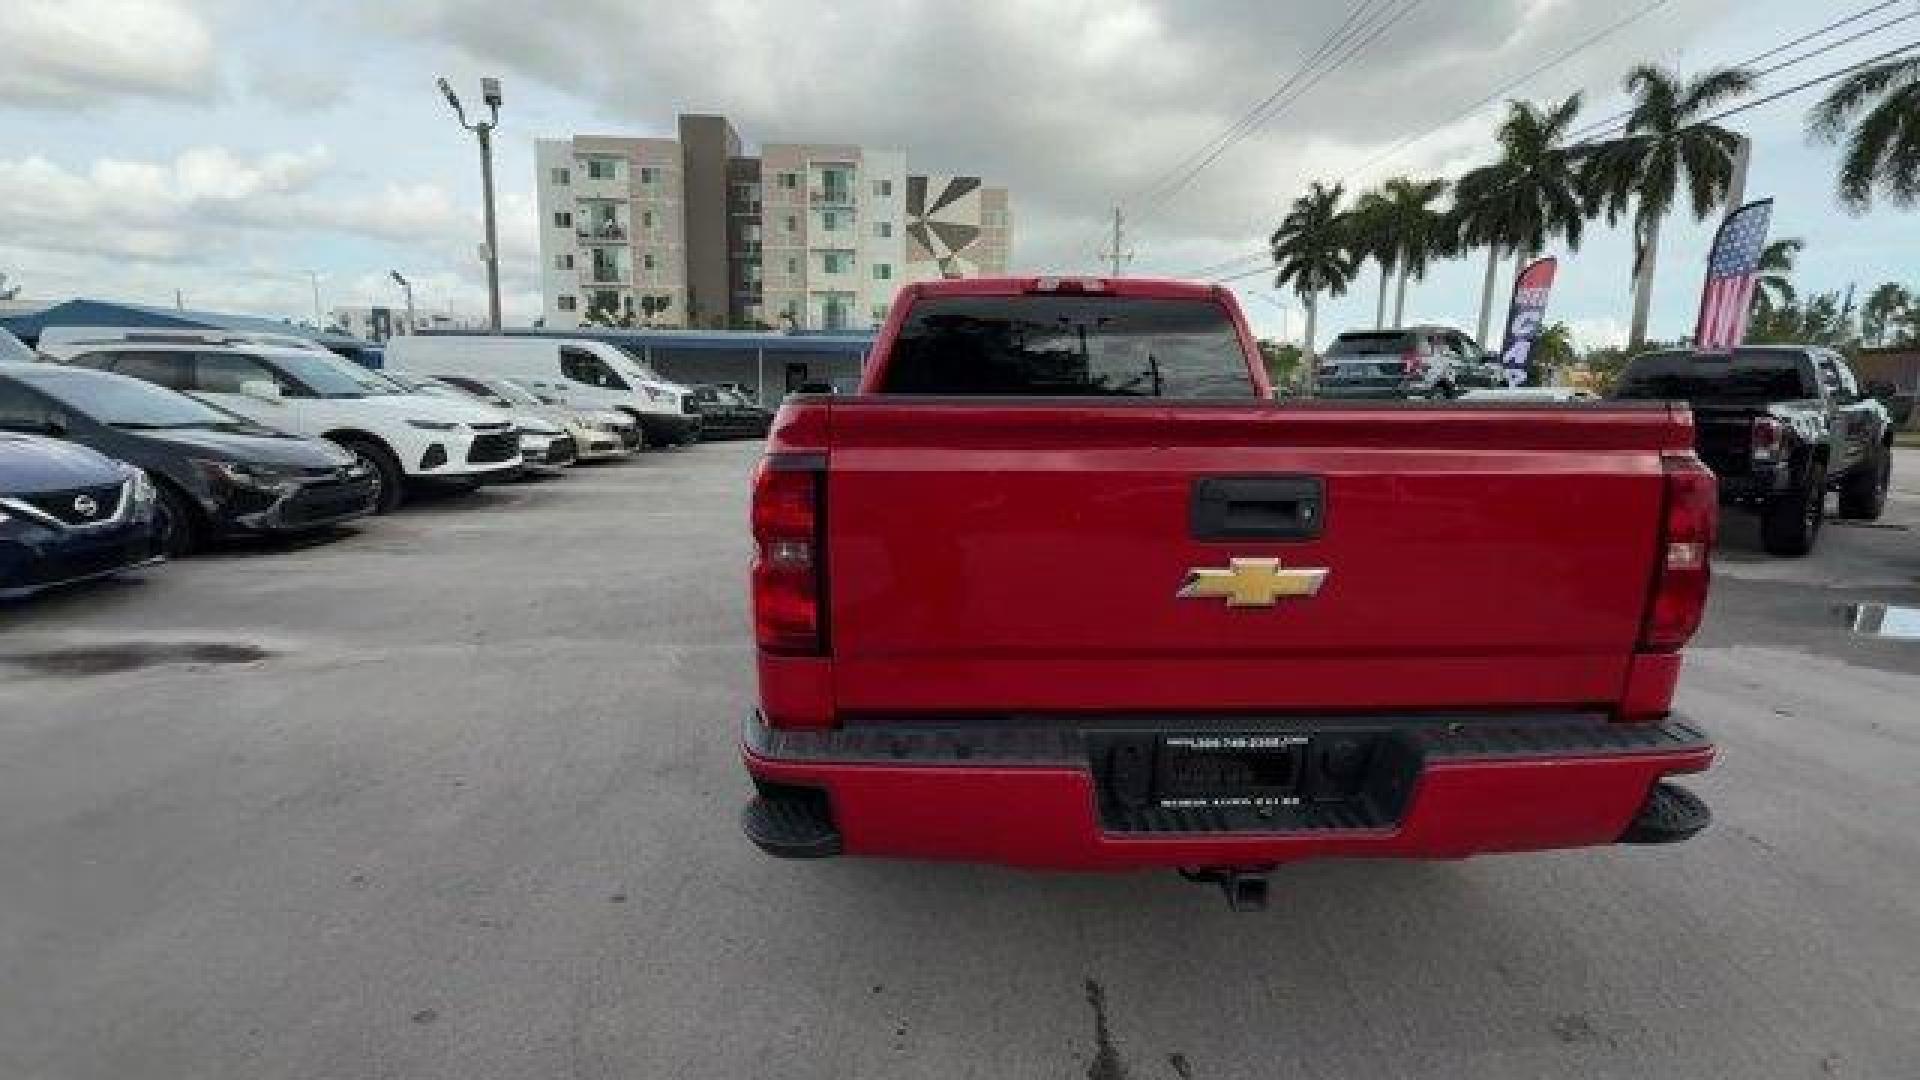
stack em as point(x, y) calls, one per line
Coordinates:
point(1671, 814)
point(792, 823)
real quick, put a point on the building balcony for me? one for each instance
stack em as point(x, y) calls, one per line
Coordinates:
point(606, 275)
point(747, 250)
point(830, 196)
point(609, 233)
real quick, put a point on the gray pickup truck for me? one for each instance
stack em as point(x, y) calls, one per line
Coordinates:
point(1780, 426)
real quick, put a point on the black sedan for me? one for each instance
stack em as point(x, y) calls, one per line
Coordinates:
point(216, 472)
point(726, 412)
point(68, 514)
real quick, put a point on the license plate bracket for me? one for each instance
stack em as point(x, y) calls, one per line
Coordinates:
point(1228, 770)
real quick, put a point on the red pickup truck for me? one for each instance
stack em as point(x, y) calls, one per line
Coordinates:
point(1061, 587)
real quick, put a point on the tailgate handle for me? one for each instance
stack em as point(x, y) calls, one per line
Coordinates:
point(1258, 507)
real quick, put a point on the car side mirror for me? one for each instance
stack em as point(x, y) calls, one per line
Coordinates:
point(264, 389)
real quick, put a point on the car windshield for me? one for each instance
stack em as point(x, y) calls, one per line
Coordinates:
point(124, 402)
point(638, 355)
point(12, 351)
point(514, 393)
point(1750, 373)
point(328, 376)
point(1368, 345)
point(1068, 346)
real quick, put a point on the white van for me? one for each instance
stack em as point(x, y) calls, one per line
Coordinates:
point(586, 374)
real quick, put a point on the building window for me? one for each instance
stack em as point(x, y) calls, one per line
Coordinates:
point(836, 262)
point(562, 176)
point(752, 274)
point(883, 189)
point(646, 219)
point(563, 261)
point(566, 303)
point(649, 175)
point(879, 313)
point(883, 228)
point(882, 272)
point(603, 168)
point(793, 266)
point(562, 219)
point(793, 223)
point(646, 259)
point(829, 220)
point(788, 180)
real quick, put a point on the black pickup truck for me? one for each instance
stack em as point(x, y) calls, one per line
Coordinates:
point(1780, 426)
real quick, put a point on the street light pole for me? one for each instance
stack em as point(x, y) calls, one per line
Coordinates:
point(483, 130)
point(406, 286)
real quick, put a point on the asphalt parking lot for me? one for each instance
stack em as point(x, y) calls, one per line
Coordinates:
point(454, 795)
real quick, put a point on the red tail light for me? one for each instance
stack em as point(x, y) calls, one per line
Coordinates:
point(789, 563)
point(1686, 546)
point(1765, 440)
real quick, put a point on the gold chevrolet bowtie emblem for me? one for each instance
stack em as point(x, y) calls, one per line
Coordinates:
point(1251, 582)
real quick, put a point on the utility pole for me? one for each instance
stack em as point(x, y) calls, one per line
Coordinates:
point(1737, 184)
point(318, 323)
point(1118, 256)
point(179, 301)
point(407, 287)
point(483, 130)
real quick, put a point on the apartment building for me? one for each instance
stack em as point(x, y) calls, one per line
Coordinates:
point(693, 232)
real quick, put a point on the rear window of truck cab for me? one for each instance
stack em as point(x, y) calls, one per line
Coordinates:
point(1766, 374)
point(1068, 346)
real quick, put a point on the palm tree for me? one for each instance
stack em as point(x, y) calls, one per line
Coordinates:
point(1773, 291)
point(1886, 307)
point(1417, 228)
point(1370, 233)
point(1665, 143)
point(1311, 253)
point(1531, 195)
point(1882, 105)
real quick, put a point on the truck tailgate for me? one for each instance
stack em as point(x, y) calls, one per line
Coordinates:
point(999, 556)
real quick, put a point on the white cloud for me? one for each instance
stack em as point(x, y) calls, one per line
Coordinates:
point(229, 224)
point(76, 53)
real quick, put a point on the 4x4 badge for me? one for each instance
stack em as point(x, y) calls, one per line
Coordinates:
point(1251, 582)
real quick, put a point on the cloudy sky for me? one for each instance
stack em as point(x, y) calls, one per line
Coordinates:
point(235, 150)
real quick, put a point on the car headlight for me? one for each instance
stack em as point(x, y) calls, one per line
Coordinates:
point(242, 475)
point(432, 425)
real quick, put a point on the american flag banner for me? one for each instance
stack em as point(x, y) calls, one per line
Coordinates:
point(1732, 270)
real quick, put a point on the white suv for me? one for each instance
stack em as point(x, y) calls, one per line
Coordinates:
point(402, 437)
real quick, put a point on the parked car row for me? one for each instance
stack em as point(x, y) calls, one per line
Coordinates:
point(119, 447)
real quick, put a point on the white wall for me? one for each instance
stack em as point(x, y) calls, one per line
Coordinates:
point(556, 281)
point(890, 167)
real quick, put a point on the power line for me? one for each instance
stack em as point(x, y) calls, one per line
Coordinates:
point(1778, 49)
point(1378, 28)
point(1613, 124)
point(1715, 118)
point(1251, 116)
point(1584, 45)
